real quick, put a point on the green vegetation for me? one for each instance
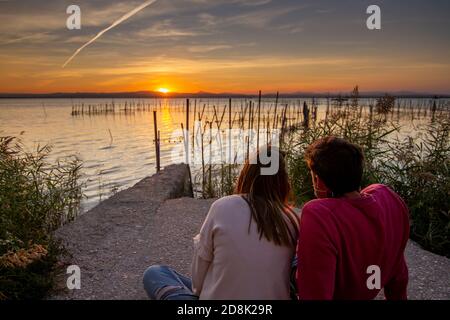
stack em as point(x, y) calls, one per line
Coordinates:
point(371, 133)
point(417, 168)
point(420, 172)
point(36, 198)
point(414, 164)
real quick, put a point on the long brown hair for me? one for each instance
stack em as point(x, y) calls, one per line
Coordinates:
point(268, 197)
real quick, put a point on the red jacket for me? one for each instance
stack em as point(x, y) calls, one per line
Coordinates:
point(340, 238)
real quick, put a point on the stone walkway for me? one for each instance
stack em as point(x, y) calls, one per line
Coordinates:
point(115, 242)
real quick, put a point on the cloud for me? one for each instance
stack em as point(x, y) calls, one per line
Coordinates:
point(165, 28)
point(257, 19)
point(207, 19)
point(181, 65)
point(254, 3)
point(35, 38)
point(208, 48)
point(290, 28)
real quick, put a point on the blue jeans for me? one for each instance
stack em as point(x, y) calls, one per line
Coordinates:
point(164, 283)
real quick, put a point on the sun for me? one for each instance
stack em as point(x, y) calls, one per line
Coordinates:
point(163, 90)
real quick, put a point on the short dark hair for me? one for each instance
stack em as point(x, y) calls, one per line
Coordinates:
point(337, 162)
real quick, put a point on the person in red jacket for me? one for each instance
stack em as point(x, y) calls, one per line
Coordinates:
point(351, 242)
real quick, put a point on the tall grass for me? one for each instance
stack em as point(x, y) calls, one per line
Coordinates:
point(415, 166)
point(370, 133)
point(36, 197)
point(419, 170)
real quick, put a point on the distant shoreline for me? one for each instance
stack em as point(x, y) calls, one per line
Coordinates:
point(204, 95)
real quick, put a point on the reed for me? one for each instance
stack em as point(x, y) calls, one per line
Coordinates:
point(157, 142)
point(419, 170)
point(36, 198)
point(373, 125)
point(416, 167)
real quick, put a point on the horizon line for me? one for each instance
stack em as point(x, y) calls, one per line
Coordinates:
point(199, 93)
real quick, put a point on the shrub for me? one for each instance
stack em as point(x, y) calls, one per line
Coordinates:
point(36, 198)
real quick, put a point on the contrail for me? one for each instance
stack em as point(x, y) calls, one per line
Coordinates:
point(115, 23)
point(23, 38)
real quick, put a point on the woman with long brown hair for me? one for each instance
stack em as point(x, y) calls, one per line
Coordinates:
point(245, 246)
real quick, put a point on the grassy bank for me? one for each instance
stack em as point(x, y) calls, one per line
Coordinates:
point(36, 197)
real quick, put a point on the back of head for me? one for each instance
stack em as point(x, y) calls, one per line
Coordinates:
point(337, 162)
point(267, 196)
point(252, 180)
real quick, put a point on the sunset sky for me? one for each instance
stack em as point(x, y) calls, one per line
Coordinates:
point(236, 46)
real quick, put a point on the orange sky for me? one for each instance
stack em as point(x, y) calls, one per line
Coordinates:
point(241, 46)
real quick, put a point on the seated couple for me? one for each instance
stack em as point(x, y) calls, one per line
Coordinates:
point(249, 240)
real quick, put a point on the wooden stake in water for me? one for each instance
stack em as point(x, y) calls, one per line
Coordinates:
point(210, 186)
point(250, 127)
point(259, 116)
point(193, 127)
point(158, 160)
point(230, 125)
point(275, 114)
point(186, 143)
point(159, 151)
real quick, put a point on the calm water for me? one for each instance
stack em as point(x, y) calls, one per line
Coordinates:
point(117, 149)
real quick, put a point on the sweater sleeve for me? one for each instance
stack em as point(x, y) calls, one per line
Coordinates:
point(317, 259)
point(199, 269)
point(203, 252)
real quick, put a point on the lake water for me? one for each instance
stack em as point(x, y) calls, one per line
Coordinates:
point(118, 149)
